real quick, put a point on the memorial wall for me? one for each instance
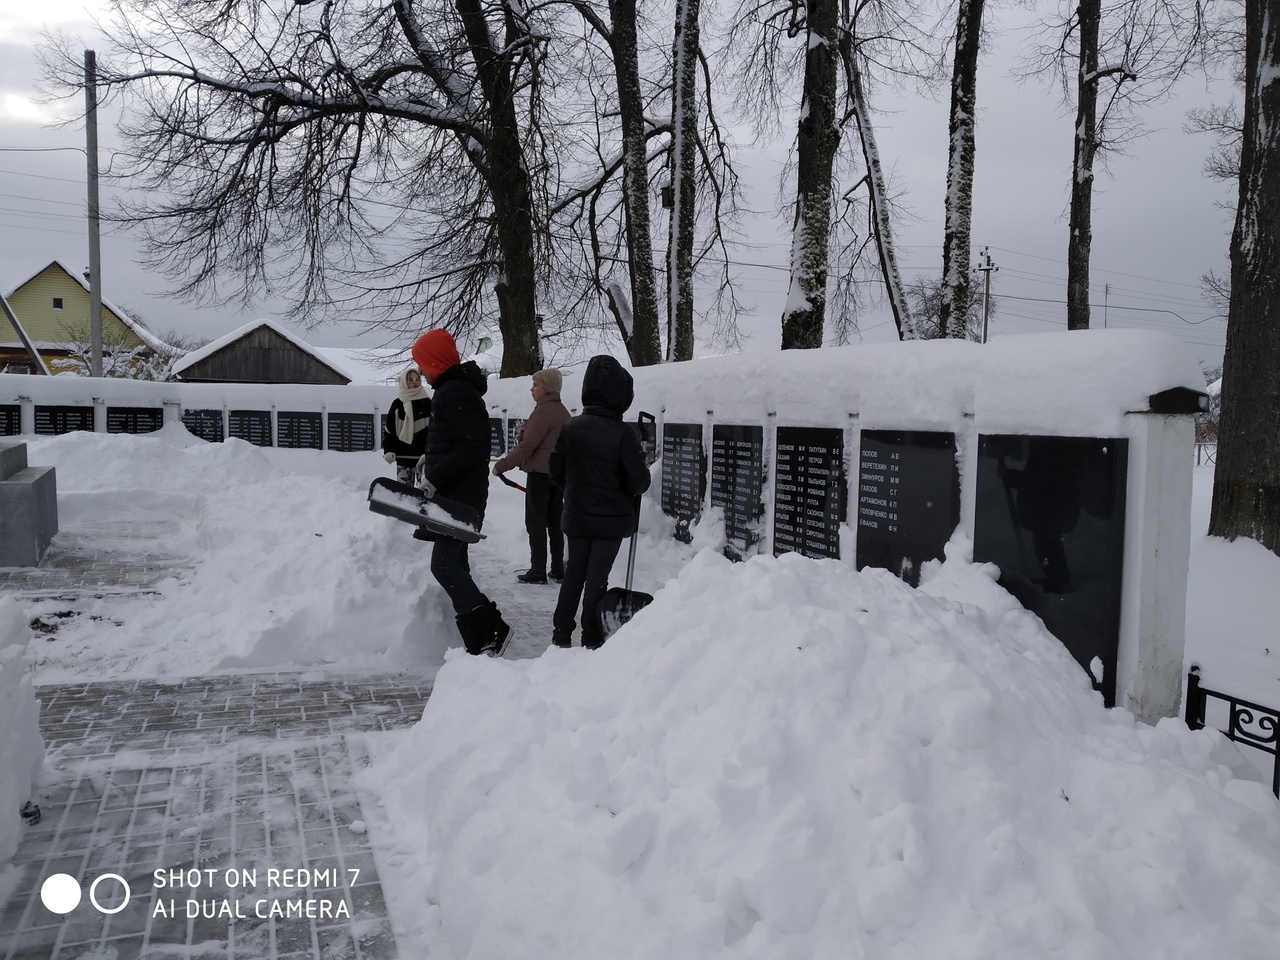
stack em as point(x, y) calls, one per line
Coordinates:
point(1056, 457)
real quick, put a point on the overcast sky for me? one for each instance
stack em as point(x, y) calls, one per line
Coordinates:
point(1159, 224)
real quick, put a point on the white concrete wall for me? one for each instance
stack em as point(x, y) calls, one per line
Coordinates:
point(1157, 555)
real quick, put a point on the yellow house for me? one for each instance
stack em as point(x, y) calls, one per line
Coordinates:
point(53, 308)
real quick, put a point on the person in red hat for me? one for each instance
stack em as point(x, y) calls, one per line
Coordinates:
point(456, 465)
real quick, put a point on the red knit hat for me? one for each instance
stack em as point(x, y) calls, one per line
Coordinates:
point(435, 352)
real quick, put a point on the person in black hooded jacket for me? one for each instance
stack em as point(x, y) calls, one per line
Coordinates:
point(456, 465)
point(599, 465)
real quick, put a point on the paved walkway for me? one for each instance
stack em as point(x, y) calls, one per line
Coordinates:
point(191, 793)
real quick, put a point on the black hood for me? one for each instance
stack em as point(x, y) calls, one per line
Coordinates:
point(607, 383)
point(470, 372)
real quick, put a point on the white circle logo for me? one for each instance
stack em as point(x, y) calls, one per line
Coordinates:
point(60, 893)
point(93, 891)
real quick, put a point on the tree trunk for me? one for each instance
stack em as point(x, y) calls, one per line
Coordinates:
point(954, 306)
point(644, 342)
point(507, 176)
point(1080, 229)
point(805, 312)
point(684, 157)
point(1246, 482)
point(879, 196)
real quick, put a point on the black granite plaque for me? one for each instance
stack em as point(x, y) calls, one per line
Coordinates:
point(647, 424)
point(205, 424)
point(251, 425)
point(10, 420)
point(350, 432)
point(908, 499)
point(513, 433)
point(808, 491)
point(684, 475)
point(134, 419)
point(53, 421)
point(1050, 513)
point(496, 447)
point(298, 431)
point(737, 479)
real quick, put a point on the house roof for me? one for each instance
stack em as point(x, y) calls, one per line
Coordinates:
point(137, 326)
point(209, 349)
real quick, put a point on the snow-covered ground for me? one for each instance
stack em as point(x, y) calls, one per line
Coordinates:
point(779, 758)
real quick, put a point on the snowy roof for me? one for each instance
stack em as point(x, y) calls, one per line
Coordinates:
point(137, 326)
point(209, 349)
point(371, 366)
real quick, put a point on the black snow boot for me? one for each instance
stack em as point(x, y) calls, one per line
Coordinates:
point(498, 631)
point(473, 625)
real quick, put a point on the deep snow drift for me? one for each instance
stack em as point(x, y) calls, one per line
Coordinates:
point(785, 758)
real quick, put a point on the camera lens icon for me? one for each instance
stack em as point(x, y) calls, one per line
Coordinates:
point(61, 893)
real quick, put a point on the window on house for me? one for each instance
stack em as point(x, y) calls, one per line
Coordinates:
point(57, 303)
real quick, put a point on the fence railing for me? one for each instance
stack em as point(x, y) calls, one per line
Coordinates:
point(1206, 453)
point(1249, 723)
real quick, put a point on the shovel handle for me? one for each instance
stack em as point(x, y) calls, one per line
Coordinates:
point(510, 483)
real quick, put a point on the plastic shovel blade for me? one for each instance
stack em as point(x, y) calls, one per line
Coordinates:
point(443, 517)
point(617, 607)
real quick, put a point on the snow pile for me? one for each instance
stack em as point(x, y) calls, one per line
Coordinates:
point(1233, 608)
point(21, 748)
point(272, 569)
point(787, 759)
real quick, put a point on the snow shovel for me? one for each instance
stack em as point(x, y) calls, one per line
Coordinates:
point(620, 604)
point(510, 483)
point(440, 515)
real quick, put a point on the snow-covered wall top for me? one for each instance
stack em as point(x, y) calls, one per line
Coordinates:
point(1067, 384)
point(1080, 383)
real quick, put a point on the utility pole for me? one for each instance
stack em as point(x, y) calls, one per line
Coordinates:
point(985, 266)
point(1106, 297)
point(95, 248)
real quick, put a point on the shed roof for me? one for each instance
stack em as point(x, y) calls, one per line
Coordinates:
point(226, 340)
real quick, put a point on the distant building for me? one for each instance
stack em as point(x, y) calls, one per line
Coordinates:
point(258, 352)
point(53, 308)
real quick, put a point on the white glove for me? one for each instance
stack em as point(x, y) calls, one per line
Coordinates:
point(389, 457)
point(420, 478)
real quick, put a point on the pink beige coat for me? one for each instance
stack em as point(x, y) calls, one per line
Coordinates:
point(538, 438)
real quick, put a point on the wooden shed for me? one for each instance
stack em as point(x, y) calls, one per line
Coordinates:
point(258, 352)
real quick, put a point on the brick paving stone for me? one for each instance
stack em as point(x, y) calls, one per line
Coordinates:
point(216, 773)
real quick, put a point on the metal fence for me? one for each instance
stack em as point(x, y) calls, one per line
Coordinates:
point(1248, 723)
point(1206, 453)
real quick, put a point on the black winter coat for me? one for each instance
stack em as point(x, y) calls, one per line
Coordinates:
point(597, 460)
point(458, 436)
point(391, 442)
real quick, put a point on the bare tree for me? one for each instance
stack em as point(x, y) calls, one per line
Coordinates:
point(121, 359)
point(684, 163)
point(834, 193)
point(927, 295)
point(817, 141)
point(1246, 483)
point(618, 159)
point(292, 147)
point(953, 306)
point(859, 110)
point(1111, 61)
